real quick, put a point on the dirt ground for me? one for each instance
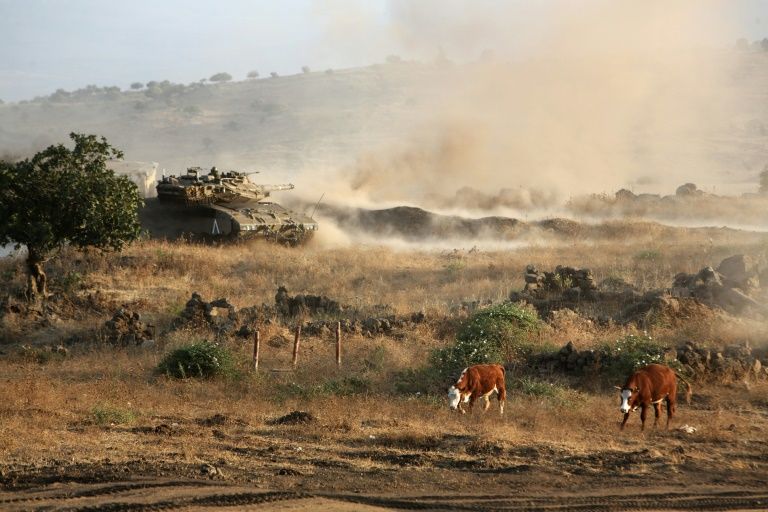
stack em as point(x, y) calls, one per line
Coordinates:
point(357, 456)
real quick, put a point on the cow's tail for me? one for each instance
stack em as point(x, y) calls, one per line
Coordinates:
point(688, 390)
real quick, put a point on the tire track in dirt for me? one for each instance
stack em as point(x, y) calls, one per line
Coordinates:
point(740, 500)
point(193, 495)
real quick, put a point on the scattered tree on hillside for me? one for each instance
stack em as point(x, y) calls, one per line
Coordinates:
point(191, 110)
point(274, 74)
point(764, 180)
point(252, 74)
point(137, 85)
point(65, 196)
point(305, 69)
point(221, 77)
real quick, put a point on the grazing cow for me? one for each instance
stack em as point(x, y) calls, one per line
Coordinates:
point(651, 384)
point(480, 380)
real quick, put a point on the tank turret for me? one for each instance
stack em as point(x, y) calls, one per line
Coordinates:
point(194, 187)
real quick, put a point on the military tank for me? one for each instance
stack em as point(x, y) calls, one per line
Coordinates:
point(228, 205)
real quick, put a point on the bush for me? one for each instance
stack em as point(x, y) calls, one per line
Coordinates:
point(203, 359)
point(137, 85)
point(221, 77)
point(630, 353)
point(504, 332)
point(252, 74)
point(106, 414)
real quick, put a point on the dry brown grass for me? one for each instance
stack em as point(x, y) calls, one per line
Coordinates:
point(48, 412)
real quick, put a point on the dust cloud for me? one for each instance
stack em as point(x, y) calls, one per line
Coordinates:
point(559, 99)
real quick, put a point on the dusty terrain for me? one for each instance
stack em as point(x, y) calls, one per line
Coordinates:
point(94, 426)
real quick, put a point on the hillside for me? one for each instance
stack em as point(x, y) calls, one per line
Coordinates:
point(281, 124)
point(515, 127)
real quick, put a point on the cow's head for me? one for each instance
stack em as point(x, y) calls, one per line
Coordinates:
point(454, 397)
point(455, 394)
point(626, 397)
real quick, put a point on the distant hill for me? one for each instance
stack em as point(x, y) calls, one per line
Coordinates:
point(279, 124)
point(316, 123)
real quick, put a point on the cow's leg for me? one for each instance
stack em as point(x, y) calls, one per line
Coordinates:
point(502, 398)
point(472, 402)
point(486, 402)
point(657, 412)
point(643, 415)
point(626, 417)
point(671, 408)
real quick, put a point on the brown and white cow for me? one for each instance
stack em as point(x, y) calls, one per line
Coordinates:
point(480, 380)
point(651, 385)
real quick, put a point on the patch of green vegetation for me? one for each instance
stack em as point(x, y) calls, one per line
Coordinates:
point(108, 414)
point(552, 392)
point(347, 386)
point(648, 255)
point(502, 332)
point(455, 265)
point(202, 360)
point(631, 352)
point(71, 281)
point(377, 359)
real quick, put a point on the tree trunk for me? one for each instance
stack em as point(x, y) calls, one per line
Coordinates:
point(36, 280)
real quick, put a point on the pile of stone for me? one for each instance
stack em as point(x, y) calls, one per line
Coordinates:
point(303, 305)
point(572, 282)
point(728, 287)
point(734, 362)
point(372, 326)
point(219, 314)
point(126, 328)
point(569, 359)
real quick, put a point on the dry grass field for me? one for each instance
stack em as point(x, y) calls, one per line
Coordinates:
point(101, 426)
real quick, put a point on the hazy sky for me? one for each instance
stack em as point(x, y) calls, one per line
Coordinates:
point(50, 44)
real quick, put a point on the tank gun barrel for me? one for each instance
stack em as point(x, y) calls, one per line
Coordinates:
point(274, 188)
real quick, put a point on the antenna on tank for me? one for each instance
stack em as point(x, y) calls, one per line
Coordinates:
point(318, 204)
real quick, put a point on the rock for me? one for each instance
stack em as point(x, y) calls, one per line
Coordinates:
point(688, 190)
point(126, 328)
point(625, 195)
point(293, 418)
point(211, 471)
point(739, 271)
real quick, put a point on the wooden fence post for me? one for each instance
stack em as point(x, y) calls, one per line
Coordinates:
point(338, 344)
point(296, 345)
point(256, 350)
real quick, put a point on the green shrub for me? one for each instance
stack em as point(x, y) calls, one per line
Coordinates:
point(556, 394)
point(503, 332)
point(628, 354)
point(534, 387)
point(202, 359)
point(107, 414)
